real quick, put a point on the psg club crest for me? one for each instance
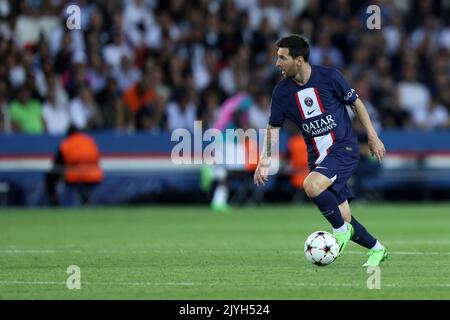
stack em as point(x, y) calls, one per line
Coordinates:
point(308, 101)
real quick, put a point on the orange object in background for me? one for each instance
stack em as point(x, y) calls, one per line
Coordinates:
point(137, 97)
point(81, 158)
point(298, 160)
point(251, 155)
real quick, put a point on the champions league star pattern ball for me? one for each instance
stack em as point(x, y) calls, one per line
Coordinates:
point(321, 248)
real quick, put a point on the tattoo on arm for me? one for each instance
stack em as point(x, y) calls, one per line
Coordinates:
point(269, 142)
point(271, 137)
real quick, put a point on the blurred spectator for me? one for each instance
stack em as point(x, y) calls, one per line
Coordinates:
point(84, 111)
point(359, 61)
point(141, 94)
point(425, 37)
point(26, 113)
point(368, 167)
point(78, 161)
point(153, 117)
point(362, 87)
point(64, 54)
point(323, 52)
point(113, 52)
point(414, 97)
point(138, 20)
point(295, 166)
point(210, 108)
point(76, 78)
point(392, 34)
point(16, 71)
point(5, 121)
point(115, 115)
point(263, 36)
point(55, 112)
point(435, 116)
point(259, 112)
point(395, 117)
point(181, 113)
point(96, 73)
point(126, 74)
point(54, 83)
point(96, 35)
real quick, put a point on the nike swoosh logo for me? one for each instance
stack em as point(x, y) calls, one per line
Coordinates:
point(321, 168)
point(310, 112)
point(333, 178)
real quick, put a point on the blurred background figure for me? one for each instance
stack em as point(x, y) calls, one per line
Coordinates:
point(239, 158)
point(55, 109)
point(5, 120)
point(295, 168)
point(84, 111)
point(26, 113)
point(77, 163)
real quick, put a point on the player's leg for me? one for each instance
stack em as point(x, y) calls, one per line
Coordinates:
point(362, 237)
point(344, 208)
point(220, 196)
point(316, 187)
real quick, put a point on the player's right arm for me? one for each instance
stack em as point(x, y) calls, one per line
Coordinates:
point(271, 138)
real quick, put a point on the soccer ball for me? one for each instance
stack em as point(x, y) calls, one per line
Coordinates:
point(321, 248)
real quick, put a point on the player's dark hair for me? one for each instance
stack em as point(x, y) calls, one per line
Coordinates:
point(298, 46)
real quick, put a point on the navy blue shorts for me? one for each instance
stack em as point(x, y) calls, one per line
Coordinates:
point(339, 167)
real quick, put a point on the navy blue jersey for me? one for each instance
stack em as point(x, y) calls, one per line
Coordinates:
point(318, 109)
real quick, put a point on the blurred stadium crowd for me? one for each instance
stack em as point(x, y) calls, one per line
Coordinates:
point(149, 65)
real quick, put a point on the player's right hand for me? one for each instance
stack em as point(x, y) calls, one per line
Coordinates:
point(377, 148)
point(261, 173)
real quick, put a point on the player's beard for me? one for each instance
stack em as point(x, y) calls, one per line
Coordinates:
point(285, 74)
point(289, 73)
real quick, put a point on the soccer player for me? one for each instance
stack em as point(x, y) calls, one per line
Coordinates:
point(314, 98)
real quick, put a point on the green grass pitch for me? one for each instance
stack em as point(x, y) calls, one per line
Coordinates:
point(192, 253)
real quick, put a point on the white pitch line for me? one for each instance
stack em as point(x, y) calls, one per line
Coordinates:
point(28, 251)
point(153, 284)
point(390, 252)
point(36, 251)
point(18, 282)
point(184, 251)
point(45, 283)
point(410, 242)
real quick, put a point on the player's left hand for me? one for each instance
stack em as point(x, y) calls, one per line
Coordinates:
point(377, 148)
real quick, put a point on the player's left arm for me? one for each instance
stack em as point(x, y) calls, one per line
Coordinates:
point(375, 144)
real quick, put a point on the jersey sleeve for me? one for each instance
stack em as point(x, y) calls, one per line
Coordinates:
point(345, 93)
point(276, 111)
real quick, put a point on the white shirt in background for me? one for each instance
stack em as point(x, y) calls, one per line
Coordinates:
point(56, 118)
point(181, 119)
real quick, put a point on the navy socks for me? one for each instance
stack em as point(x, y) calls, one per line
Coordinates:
point(328, 205)
point(362, 236)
